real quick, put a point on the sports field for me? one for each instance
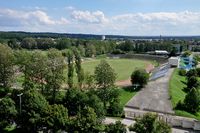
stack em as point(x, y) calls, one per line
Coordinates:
point(123, 67)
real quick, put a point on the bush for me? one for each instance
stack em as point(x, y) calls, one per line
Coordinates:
point(191, 72)
point(192, 101)
point(118, 127)
point(192, 82)
point(118, 51)
point(149, 123)
point(115, 109)
point(198, 72)
point(182, 72)
point(139, 77)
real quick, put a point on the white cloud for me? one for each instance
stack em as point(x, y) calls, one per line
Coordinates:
point(96, 22)
point(96, 17)
point(10, 17)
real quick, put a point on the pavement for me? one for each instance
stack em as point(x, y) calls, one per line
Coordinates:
point(154, 97)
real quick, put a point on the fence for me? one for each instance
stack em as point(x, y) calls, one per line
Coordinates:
point(175, 121)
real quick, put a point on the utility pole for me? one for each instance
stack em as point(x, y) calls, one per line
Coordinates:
point(20, 102)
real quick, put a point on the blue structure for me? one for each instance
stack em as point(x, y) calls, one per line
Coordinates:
point(186, 63)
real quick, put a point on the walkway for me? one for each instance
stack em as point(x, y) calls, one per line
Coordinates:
point(154, 97)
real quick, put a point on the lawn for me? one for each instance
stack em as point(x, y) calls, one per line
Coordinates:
point(177, 83)
point(123, 67)
point(125, 95)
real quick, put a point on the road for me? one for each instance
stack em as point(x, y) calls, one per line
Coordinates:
point(155, 96)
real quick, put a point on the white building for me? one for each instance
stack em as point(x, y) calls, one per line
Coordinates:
point(103, 37)
point(174, 61)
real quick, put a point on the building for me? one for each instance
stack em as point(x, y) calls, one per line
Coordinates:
point(103, 37)
point(174, 61)
point(161, 52)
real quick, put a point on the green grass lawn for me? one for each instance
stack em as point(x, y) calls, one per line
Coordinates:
point(123, 67)
point(125, 95)
point(177, 83)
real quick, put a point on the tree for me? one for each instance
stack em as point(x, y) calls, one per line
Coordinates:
point(70, 61)
point(36, 69)
point(162, 127)
point(150, 124)
point(6, 66)
point(191, 72)
point(96, 103)
point(104, 74)
point(90, 51)
point(34, 111)
point(139, 77)
point(75, 100)
point(118, 127)
point(8, 112)
point(57, 118)
point(86, 121)
point(192, 82)
point(79, 70)
point(29, 43)
point(55, 75)
point(192, 101)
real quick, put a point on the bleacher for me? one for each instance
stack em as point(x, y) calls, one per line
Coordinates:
point(160, 72)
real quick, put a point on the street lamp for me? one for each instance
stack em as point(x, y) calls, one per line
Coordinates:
point(20, 102)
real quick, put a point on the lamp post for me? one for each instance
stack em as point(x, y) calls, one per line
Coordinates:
point(20, 102)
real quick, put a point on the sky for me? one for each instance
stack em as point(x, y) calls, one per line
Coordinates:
point(113, 17)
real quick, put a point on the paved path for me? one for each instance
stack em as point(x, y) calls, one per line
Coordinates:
point(154, 97)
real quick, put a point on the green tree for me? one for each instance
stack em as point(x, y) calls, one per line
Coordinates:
point(6, 66)
point(8, 112)
point(34, 111)
point(149, 123)
point(191, 72)
point(104, 74)
point(86, 122)
point(139, 77)
point(192, 101)
point(192, 82)
point(29, 43)
point(57, 118)
point(55, 76)
point(162, 127)
point(90, 50)
point(118, 127)
point(75, 100)
point(70, 63)
point(79, 70)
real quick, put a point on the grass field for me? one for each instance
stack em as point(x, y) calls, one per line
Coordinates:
point(123, 67)
point(125, 95)
point(177, 83)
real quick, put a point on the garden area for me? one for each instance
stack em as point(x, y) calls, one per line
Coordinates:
point(177, 93)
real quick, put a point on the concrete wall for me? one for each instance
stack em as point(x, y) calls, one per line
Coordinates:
point(175, 121)
point(160, 59)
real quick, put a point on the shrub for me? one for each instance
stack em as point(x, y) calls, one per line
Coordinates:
point(118, 51)
point(118, 127)
point(198, 72)
point(191, 72)
point(182, 72)
point(115, 109)
point(149, 123)
point(192, 101)
point(139, 77)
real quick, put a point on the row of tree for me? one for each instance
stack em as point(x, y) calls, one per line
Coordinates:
point(90, 48)
point(191, 103)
